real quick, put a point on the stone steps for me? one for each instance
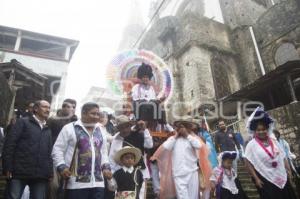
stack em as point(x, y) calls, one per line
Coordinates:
point(246, 181)
point(244, 177)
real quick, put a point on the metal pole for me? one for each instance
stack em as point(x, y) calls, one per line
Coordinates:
point(18, 41)
point(262, 68)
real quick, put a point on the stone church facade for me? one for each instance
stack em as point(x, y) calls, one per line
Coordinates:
point(253, 56)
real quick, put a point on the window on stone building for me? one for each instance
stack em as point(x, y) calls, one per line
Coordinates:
point(286, 52)
point(220, 78)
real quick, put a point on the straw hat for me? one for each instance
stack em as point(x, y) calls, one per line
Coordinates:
point(187, 121)
point(127, 149)
point(122, 120)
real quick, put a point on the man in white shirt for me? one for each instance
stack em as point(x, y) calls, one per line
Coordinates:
point(80, 155)
point(184, 149)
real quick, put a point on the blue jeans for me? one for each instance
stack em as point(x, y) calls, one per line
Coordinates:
point(15, 188)
point(89, 193)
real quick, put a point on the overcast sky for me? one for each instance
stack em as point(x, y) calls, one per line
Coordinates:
point(97, 24)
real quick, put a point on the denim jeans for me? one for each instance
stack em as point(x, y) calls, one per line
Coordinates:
point(88, 193)
point(15, 188)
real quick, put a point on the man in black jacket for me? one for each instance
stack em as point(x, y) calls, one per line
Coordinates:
point(56, 123)
point(67, 115)
point(27, 154)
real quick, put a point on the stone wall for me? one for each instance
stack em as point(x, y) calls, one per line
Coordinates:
point(277, 21)
point(197, 48)
point(279, 25)
point(196, 75)
point(240, 12)
point(188, 49)
point(191, 6)
point(163, 30)
point(205, 32)
point(288, 123)
point(247, 61)
point(182, 31)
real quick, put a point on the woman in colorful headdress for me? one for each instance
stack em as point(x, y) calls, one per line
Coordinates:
point(265, 161)
point(145, 102)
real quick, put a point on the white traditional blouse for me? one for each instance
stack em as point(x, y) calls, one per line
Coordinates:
point(262, 162)
point(220, 175)
point(142, 92)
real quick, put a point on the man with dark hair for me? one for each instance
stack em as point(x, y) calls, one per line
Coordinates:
point(56, 123)
point(225, 140)
point(27, 154)
point(83, 142)
point(65, 116)
point(72, 102)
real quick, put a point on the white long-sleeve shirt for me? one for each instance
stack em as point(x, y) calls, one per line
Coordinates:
point(63, 150)
point(117, 144)
point(184, 154)
point(140, 92)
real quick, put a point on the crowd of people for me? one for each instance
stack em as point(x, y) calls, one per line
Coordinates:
point(101, 156)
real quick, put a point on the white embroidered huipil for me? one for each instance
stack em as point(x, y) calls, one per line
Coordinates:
point(142, 92)
point(262, 163)
point(226, 181)
point(184, 155)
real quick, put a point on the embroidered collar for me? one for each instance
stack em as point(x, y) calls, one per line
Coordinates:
point(129, 170)
point(80, 123)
